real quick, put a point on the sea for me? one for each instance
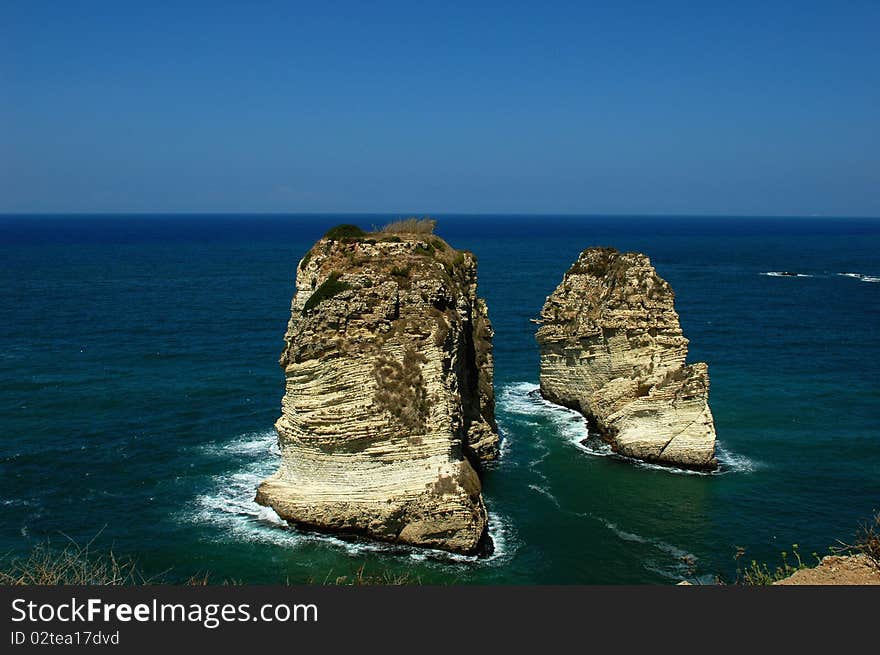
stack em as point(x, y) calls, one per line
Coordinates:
point(139, 384)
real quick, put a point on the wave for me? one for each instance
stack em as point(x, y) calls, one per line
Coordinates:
point(785, 274)
point(228, 504)
point(504, 443)
point(731, 462)
point(728, 461)
point(861, 277)
point(524, 399)
point(250, 443)
point(597, 447)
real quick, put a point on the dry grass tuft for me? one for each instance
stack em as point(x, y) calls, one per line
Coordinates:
point(412, 225)
point(80, 565)
point(359, 577)
point(71, 565)
point(867, 541)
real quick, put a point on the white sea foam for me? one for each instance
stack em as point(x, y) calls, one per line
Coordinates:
point(503, 444)
point(623, 534)
point(785, 274)
point(870, 278)
point(229, 504)
point(524, 399)
point(16, 502)
point(504, 546)
point(251, 443)
point(666, 468)
point(731, 462)
point(543, 454)
point(596, 447)
point(728, 462)
point(676, 572)
point(545, 491)
point(504, 539)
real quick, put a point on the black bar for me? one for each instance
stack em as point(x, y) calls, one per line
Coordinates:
point(412, 619)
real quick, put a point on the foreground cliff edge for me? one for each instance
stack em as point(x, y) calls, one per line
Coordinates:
point(612, 348)
point(389, 407)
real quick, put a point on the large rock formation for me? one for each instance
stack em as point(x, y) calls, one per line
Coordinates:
point(612, 348)
point(389, 406)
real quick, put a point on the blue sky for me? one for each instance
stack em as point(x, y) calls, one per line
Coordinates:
point(763, 108)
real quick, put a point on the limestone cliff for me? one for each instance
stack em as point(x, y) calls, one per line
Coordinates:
point(612, 348)
point(389, 406)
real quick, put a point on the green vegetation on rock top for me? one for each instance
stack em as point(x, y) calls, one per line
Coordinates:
point(344, 231)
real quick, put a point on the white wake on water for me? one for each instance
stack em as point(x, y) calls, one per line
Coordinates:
point(785, 274)
point(545, 491)
point(683, 562)
point(861, 277)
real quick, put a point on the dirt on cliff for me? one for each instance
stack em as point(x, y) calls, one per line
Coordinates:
point(837, 570)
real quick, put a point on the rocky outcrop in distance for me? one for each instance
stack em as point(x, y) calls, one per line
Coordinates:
point(612, 348)
point(389, 407)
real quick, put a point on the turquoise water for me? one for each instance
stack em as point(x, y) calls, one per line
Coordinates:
point(139, 379)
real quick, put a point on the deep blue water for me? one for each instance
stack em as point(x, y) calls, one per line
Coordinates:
point(139, 384)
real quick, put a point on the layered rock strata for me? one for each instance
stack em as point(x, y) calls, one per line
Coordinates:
point(612, 348)
point(389, 406)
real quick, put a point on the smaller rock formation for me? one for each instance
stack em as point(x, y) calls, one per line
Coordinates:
point(612, 348)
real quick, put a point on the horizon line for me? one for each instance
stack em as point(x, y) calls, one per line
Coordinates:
point(440, 214)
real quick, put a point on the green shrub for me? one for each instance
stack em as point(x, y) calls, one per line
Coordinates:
point(329, 288)
point(761, 574)
point(345, 231)
point(400, 271)
point(456, 262)
point(425, 249)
